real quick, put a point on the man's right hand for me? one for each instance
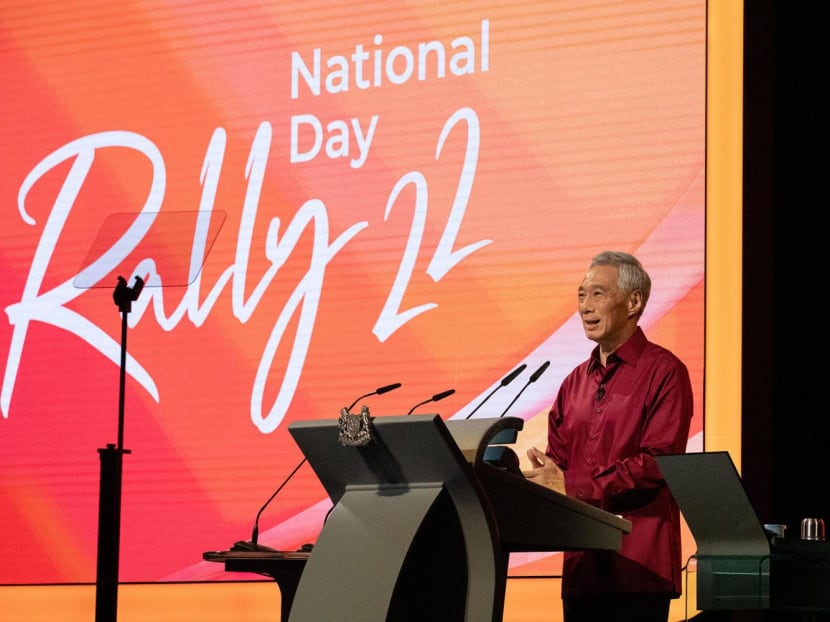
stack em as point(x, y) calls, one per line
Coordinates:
point(545, 471)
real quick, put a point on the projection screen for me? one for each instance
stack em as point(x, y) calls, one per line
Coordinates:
point(321, 199)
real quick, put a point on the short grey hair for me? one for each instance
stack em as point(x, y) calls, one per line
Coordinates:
point(632, 277)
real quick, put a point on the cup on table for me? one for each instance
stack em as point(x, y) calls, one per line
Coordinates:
point(812, 529)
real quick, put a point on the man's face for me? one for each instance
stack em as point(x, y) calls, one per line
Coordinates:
point(603, 308)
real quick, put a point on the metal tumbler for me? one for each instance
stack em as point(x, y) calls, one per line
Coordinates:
point(812, 529)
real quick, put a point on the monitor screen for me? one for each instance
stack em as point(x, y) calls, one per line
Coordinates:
point(319, 201)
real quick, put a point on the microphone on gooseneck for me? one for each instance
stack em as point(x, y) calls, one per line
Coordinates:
point(533, 378)
point(380, 391)
point(504, 382)
point(255, 532)
point(538, 372)
point(435, 398)
point(242, 545)
point(253, 544)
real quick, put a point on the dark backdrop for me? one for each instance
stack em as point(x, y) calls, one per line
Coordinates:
point(785, 395)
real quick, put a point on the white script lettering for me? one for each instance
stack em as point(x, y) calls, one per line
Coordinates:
point(50, 307)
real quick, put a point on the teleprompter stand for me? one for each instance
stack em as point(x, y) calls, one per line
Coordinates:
point(112, 458)
point(126, 243)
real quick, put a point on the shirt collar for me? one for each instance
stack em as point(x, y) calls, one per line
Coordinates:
point(629, 352)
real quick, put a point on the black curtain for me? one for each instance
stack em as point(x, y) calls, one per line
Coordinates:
point(785, 394)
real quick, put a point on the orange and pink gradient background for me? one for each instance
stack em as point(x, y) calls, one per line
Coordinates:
point(439, 261)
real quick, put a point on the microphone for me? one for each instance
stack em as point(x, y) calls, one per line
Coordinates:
point(533, 378)
point(435, 398)
point(255, 532)
point(253, 545)
point(504, 382)
point(539, 372)
point(512, 375)
point(380, 391)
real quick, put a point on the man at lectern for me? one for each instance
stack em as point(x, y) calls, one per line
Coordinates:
point(629, 401)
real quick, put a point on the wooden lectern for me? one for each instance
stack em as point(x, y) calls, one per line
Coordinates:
point(424, 520)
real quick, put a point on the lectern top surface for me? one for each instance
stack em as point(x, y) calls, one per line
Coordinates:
point(404, 451)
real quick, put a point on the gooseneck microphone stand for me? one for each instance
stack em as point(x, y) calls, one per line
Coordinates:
point(109, 497)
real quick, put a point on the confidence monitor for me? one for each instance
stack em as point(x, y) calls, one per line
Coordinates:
point(733, 549)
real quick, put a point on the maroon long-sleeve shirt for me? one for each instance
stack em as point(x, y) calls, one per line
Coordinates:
point(605, 428)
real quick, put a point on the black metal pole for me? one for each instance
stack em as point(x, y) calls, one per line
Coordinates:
point(109, 496)
point(122, 380)
point(109, 534)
